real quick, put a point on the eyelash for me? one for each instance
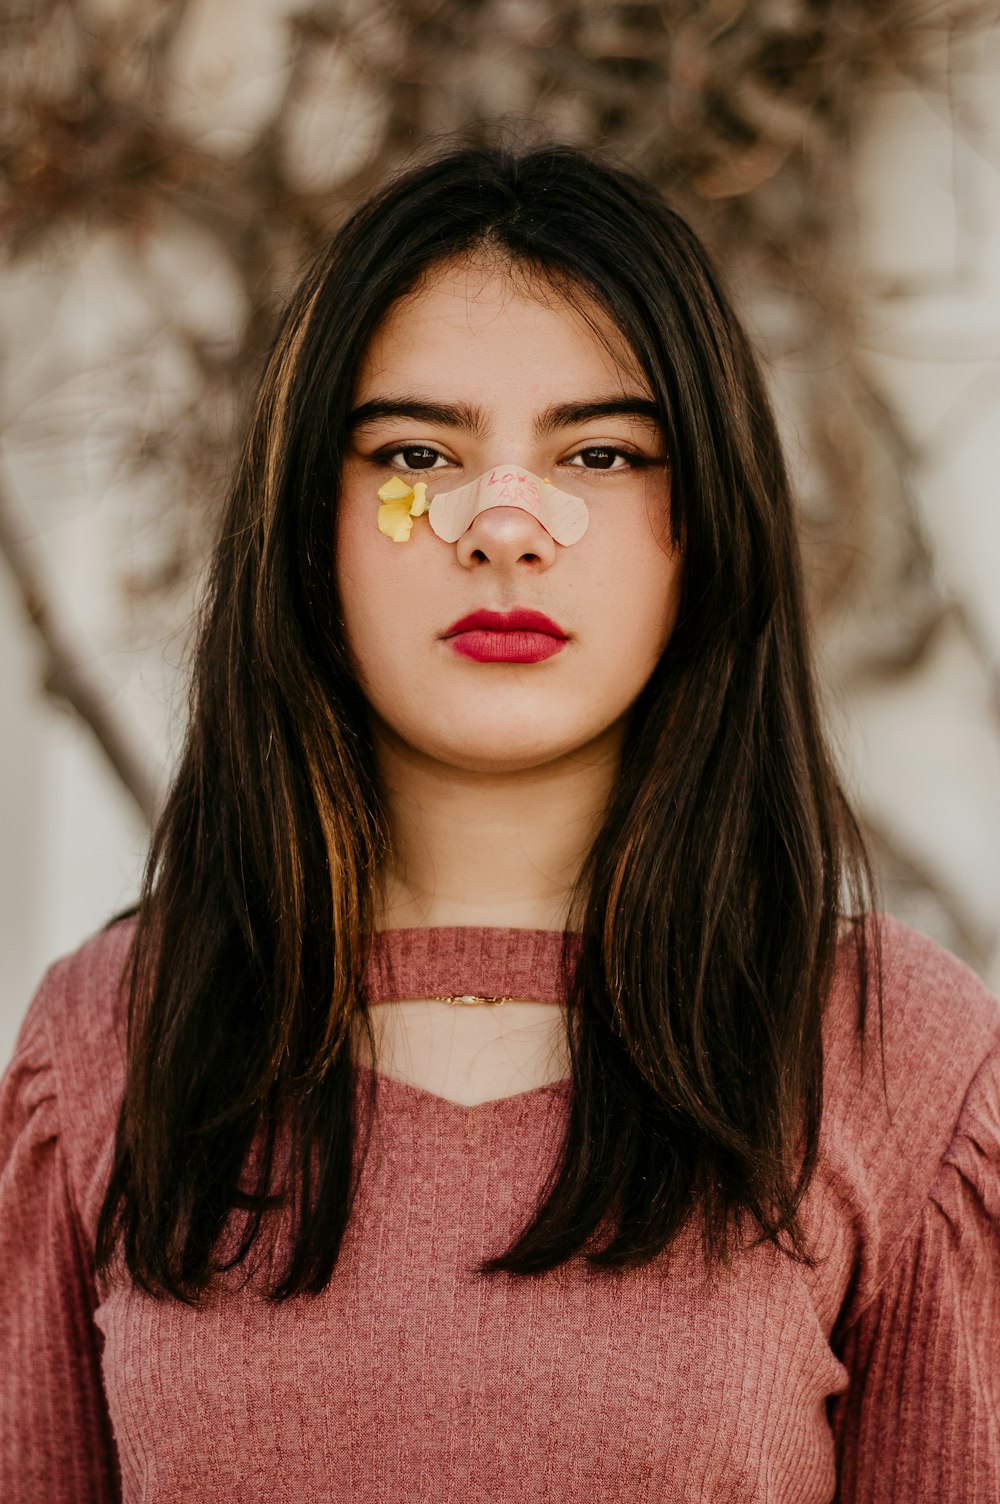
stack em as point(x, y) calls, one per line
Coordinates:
point(634, 459)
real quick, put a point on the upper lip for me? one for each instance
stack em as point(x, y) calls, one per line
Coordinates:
point(518, 620)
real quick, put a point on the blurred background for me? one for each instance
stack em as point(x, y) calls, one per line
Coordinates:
point(166, 170)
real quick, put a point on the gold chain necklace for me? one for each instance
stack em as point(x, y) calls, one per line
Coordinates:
point(471, 999)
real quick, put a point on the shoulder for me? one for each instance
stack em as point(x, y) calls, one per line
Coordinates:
point(939, 1023)
point(81, 1006)
point(72, 1045)
point(894, 1105)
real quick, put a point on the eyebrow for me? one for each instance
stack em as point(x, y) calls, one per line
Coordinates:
point(473, 419)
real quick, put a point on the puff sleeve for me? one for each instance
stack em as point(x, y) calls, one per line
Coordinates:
point(920, 1419)
point(55, 1434)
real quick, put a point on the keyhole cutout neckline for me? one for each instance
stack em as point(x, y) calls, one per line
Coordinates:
point(449, 960)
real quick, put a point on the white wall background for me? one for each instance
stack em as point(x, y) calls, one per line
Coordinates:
point(926, 752)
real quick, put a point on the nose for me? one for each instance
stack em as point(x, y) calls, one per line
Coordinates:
point(506, 536)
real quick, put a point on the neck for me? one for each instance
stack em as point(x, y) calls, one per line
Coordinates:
point(489, 848)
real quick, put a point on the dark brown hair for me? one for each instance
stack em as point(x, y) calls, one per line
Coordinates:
point(710, 902)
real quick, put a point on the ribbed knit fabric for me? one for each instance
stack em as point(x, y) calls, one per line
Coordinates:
point(873, 1377)
point(523, 964)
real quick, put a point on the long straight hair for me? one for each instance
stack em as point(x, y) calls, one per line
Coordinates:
point(709, 905)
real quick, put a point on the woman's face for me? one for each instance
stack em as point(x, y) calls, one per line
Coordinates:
point(481, 366)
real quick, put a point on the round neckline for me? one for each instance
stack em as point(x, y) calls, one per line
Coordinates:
point(489, 931)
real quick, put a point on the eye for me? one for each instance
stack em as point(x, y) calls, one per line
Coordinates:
point(604, 457)
point(414, 457)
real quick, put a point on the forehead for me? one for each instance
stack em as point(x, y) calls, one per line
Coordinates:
point(480, 317)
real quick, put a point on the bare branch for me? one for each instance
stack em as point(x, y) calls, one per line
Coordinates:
point(66, 680)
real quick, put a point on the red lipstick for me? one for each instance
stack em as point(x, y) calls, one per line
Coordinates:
point(518, 636)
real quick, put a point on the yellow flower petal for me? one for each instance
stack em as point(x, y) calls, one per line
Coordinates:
point(400, 503)
point(395, 521)
point(395, 489)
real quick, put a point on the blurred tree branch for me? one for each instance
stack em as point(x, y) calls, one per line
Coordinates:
point(64, 677)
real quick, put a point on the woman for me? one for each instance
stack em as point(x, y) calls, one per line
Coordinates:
point(504, 1090)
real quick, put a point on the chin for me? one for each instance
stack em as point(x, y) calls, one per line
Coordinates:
point(497, 744)
point(497, 754)
point(495, 733)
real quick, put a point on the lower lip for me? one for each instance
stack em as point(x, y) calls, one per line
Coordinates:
point(506, 647)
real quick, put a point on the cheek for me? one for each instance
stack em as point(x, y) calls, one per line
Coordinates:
point(382, 589)
point(637, 579)
point(360, 573)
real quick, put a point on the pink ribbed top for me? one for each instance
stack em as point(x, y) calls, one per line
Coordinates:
point(523, 964)
point(874, 1376)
